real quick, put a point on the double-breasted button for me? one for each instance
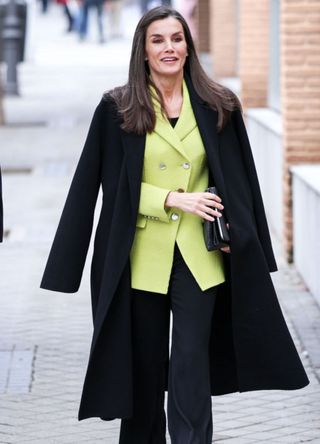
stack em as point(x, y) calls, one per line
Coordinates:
point(186, 165)
point(162, 166)
point(174, 216)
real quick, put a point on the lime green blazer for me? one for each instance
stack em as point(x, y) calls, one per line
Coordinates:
point(174, 159)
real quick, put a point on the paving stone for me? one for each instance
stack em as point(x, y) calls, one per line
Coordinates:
point(237, 440)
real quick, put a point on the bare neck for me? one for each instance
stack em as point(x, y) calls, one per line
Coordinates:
point(170, 87)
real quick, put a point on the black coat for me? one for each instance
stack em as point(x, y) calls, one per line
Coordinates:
point(250, 347)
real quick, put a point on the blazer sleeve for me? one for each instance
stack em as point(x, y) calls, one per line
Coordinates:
point(68, 253)
point(152, 199)
point(1, 210)
point(260, 216)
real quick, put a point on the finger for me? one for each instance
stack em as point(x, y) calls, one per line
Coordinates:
point(210, 211)
point(205, 216)
point(212, 196)
point(213, 203)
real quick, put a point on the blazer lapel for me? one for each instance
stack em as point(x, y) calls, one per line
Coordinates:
point(164, 129)
point(185, 124)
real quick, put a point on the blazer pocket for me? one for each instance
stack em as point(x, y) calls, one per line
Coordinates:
point(141, 221)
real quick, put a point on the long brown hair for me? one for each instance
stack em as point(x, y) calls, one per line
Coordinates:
point(134, 101)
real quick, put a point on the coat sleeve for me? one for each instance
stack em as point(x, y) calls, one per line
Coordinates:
point(152, 199)
point(1, 210)
point(260, 215)
point(68, 253)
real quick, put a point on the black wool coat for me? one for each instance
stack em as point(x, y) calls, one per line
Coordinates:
point(250, 345)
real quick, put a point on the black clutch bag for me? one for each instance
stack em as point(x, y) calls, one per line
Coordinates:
point(215, 232)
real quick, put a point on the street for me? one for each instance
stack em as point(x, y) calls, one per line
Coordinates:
point(45, 336)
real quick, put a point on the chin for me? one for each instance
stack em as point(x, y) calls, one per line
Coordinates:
point(171, 72)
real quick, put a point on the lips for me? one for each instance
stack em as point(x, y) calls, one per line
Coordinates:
point(169, 59)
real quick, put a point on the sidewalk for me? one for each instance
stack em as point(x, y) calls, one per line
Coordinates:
point(45, 336)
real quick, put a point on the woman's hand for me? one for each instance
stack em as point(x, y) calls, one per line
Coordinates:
point(205, 204)
point(199, 204)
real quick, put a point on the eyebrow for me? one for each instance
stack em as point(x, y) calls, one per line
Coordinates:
point(161, 35)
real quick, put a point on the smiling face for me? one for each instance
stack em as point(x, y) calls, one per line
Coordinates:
point(166, 47)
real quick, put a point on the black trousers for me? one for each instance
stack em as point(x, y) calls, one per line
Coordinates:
point(189, 396)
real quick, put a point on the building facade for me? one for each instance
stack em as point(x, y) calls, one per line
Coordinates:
point(268, 52)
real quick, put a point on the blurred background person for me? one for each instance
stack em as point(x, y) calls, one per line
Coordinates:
point(146, 5)
point(69, 15)
point(115, 8)
point(44, 5)
point(86, 6)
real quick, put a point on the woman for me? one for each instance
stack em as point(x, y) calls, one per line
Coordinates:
point(154, 145)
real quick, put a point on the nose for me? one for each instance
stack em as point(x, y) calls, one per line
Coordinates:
point(169, 46)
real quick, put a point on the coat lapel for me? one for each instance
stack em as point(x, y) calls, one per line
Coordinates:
point(207, 119)
point(134, 146)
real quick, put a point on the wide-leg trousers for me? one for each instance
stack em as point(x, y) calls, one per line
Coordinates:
point(189, 412)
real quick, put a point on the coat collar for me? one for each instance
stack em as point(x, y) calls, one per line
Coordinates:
point(207, 120)
point(134, 147)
